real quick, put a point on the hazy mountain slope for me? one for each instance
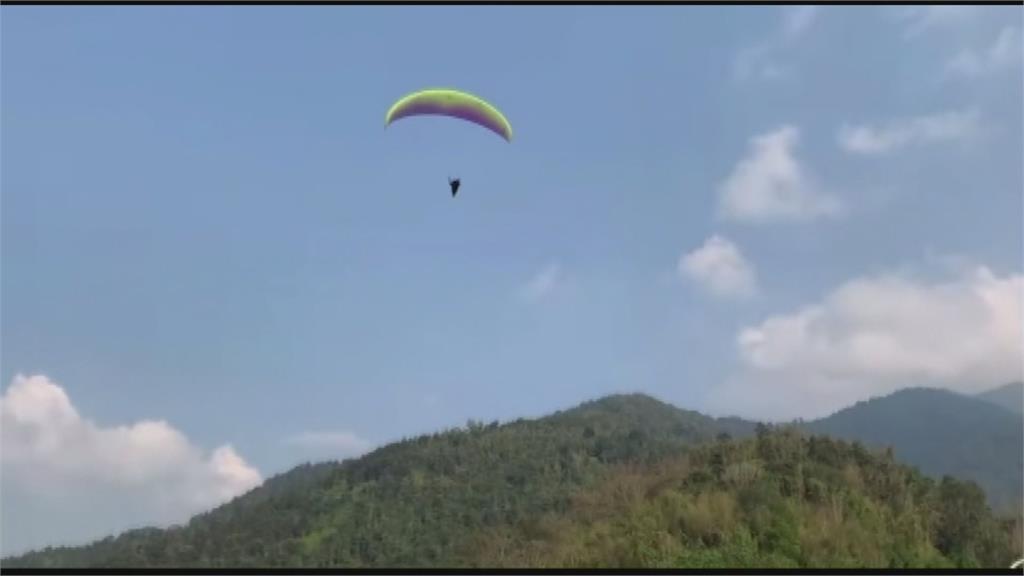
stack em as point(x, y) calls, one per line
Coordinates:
point(941, 432)
point(1009, 396)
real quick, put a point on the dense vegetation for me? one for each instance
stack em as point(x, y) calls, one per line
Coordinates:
point(412, 502)
point(781, 500)
point(622, 481)
point(943, 433)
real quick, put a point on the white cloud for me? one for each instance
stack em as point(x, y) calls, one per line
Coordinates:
point(1004, 53)
point(331, 444)
point(760, 60)
point(875, 335)
point(543, 283)
point(720, 267)
point(69, 480)
point(771, 185)
point(898, 134)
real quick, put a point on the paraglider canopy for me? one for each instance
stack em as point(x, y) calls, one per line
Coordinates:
point(452, 103)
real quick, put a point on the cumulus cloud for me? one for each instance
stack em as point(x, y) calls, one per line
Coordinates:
point(1004, 53)
point(903, 133)
point(542, 283)
point(69, 480)
point(875, 335)
point(769, 184)
point(720, 267)
point(331, 444)
point(760, 60)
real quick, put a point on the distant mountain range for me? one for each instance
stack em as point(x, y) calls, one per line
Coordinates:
point(1010, 397)
point(979, 438)
point(631, 481)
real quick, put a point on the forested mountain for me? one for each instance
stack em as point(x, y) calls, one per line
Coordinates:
point(413, 502)
point(622, 481)
point(781, 500)
point(941, 432)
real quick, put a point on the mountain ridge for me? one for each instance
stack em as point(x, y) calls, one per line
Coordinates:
point(378, 509)
point(1009, 396)
point(941, 432)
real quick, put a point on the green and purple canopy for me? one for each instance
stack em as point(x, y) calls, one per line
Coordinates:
point(453, 103)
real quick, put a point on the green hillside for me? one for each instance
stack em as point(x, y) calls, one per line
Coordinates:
point(781, 500)
point(622, 481)
point(413, 502)
point(941, 432)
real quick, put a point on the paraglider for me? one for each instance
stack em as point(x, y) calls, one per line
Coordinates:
point(454, 104)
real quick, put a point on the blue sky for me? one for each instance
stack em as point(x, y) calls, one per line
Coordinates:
point(767, 211)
